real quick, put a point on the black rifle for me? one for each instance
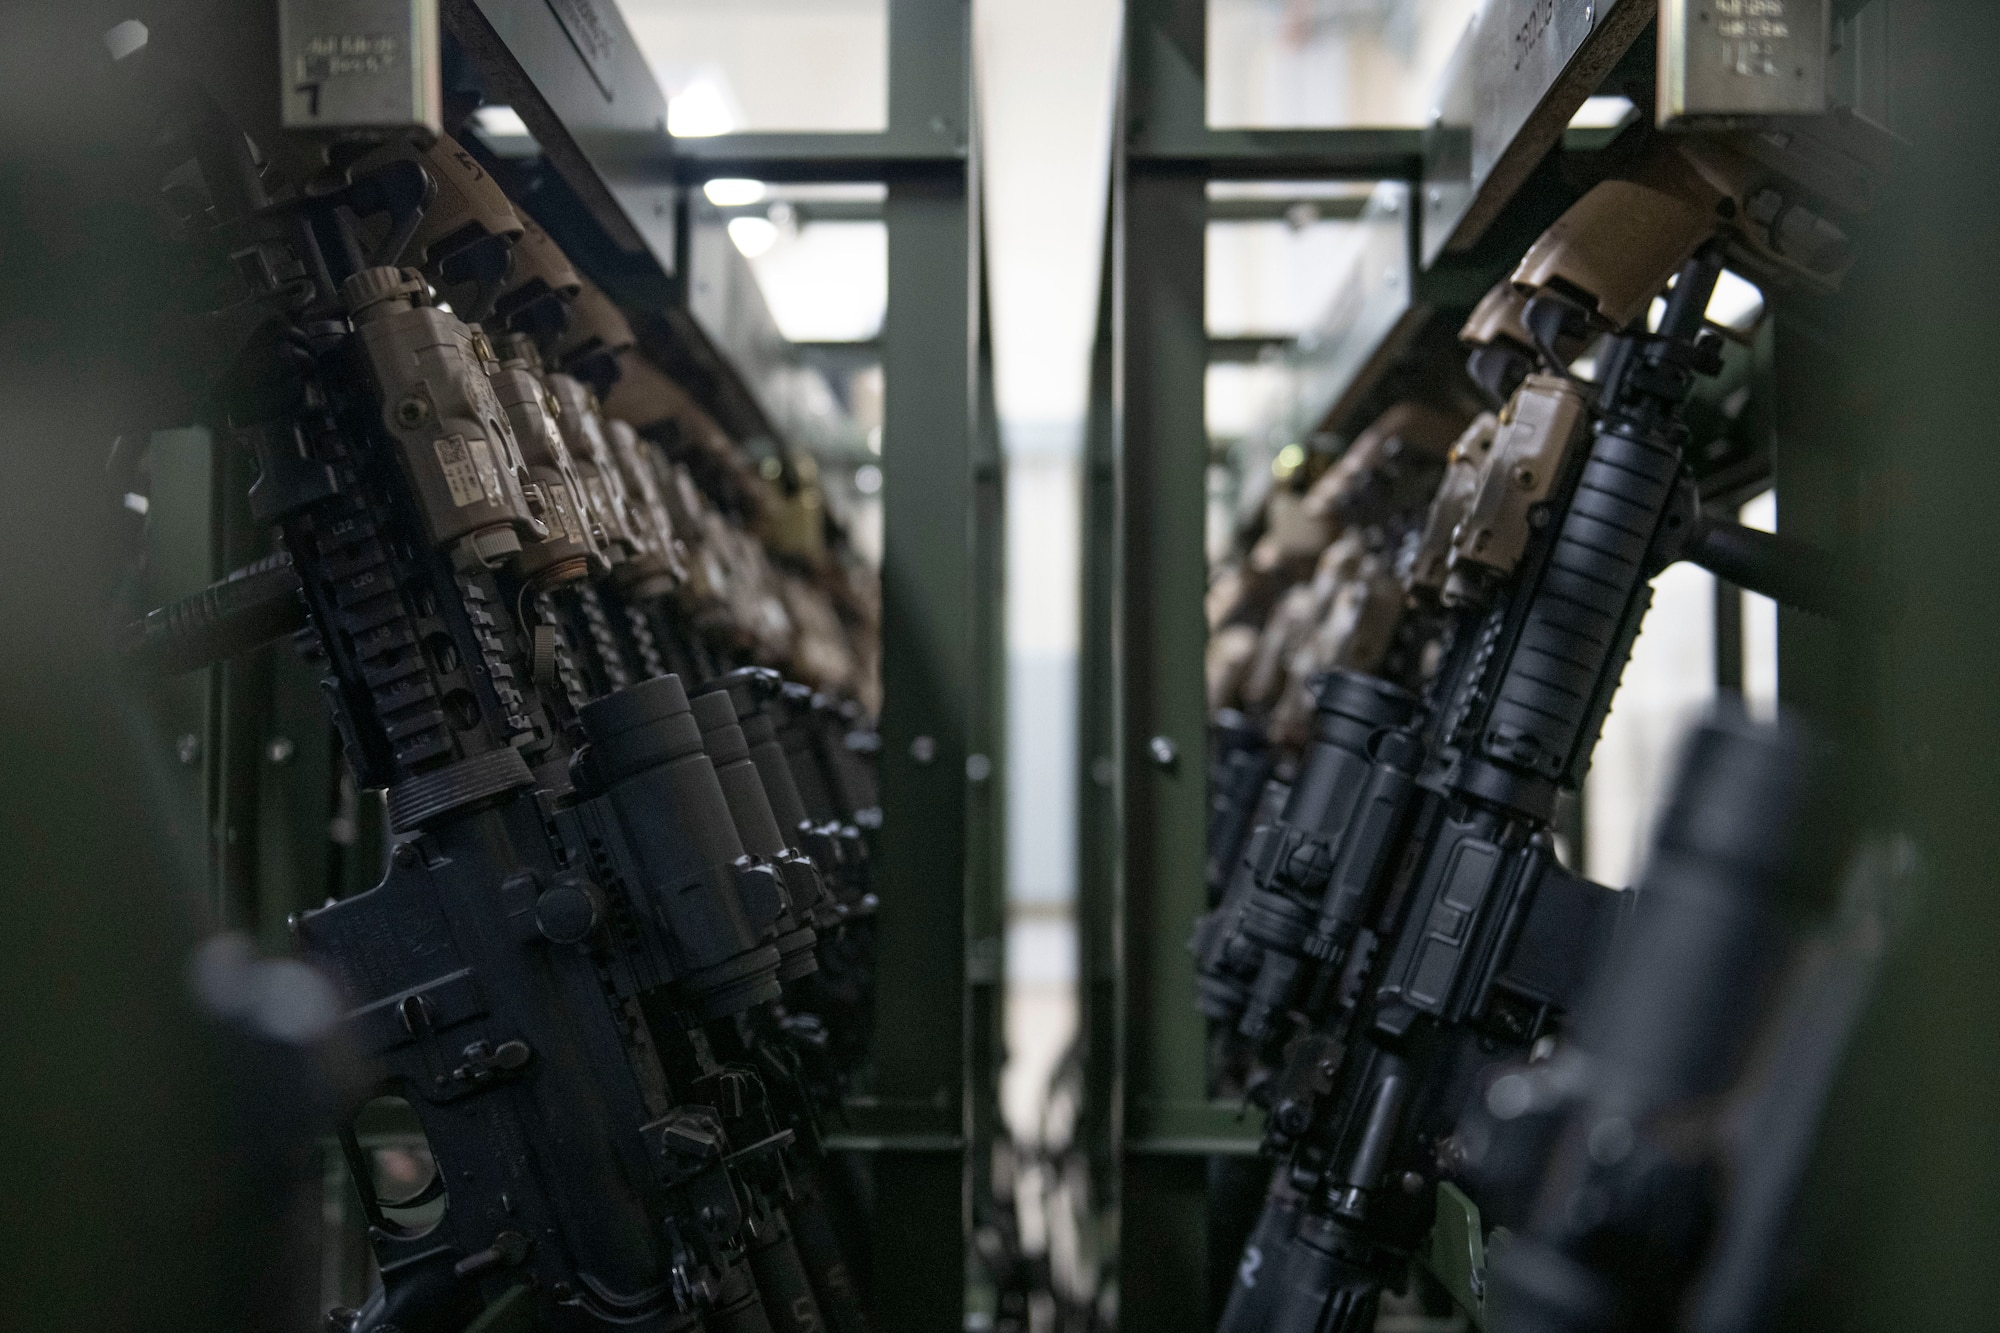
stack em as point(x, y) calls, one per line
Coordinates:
point(1404, 923)
point(606, 587)
point(839, 997)
point(1240, 763)
point(1648, 1168)
point(566, 907)
point(804, 1053)
point(498, 972)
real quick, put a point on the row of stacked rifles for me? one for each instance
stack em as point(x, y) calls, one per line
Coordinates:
point(1457, 1042)
point(620, 964)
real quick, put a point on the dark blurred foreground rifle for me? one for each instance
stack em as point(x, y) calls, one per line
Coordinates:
point(1647, 1170)
point(570, 971)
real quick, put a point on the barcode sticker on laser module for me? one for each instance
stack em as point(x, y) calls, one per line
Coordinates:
point(468, 470)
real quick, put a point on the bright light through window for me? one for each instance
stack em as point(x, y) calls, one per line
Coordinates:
point(734, 192)
point(1667, 683)
point(701, 111)
point(1276, 278)
point(753, 236)
point(1603, 113)
point(1298, 63)
point(500, 122)
point(1736, 304)
point(778, 65)
point(1760, 622)
point(824, 281)
point(126, 38)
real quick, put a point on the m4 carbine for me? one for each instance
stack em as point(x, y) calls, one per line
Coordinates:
point(1349, 614)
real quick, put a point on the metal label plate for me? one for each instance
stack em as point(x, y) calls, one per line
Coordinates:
point(1742, 58)
point(360, 65)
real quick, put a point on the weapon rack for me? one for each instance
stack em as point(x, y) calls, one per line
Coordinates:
point(251, 784)
point(1457, 202)
point(268, 821)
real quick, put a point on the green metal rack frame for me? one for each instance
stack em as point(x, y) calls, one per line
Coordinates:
point(1149, 1123)
point(259, 796)
point(1153, 1134)
point(1494, 167)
